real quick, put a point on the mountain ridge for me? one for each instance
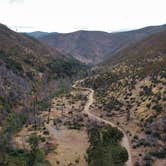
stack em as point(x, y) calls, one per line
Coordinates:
point(94, 46)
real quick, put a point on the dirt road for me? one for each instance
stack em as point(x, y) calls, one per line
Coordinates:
point(125, 141)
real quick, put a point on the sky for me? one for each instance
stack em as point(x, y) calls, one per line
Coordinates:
point(72, 15)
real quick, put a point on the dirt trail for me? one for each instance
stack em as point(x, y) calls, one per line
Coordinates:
point(125, 141)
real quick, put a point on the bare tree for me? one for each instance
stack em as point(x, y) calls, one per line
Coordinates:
point(35, 111)
point(49, 111)
point(128, 115)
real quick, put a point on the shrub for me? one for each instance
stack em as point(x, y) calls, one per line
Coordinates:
point(136, 163)
point(104, 149)
point(46, 132)
point(160, 153)
point(158, 108)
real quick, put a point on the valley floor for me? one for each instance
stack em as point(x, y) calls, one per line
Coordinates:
point(64, 128)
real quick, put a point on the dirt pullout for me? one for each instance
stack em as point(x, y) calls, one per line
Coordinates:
point(71, 149)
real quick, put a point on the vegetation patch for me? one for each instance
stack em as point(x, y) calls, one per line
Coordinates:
point(104, 147)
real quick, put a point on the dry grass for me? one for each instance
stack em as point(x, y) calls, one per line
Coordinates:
point(72, 145)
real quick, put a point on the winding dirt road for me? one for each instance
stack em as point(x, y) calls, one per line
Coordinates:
point(125, 141)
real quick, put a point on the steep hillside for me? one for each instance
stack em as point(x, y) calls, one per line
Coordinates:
point(131, 91)
point(25, 64)
point(94, 46)
point(30, 75)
